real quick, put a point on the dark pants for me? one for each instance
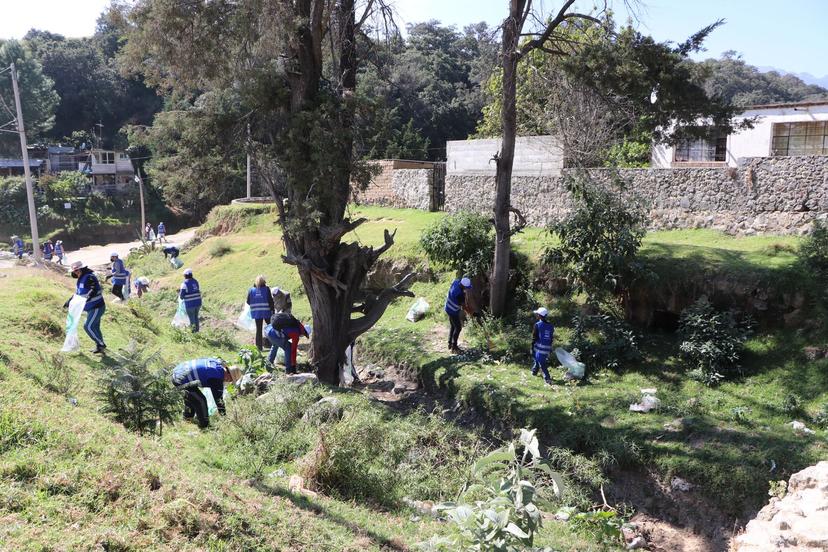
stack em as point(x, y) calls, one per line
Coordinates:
point(454, 329)
point(259, 339)
point(93, 325)
point(192, 314)
point(195, 405)
point(284, 344)
point(118, 291)
point(541, 363)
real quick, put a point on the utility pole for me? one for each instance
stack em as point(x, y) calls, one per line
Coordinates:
point(21, 130)
point(249, 187)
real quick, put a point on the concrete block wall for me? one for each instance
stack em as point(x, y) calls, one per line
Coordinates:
point(400, 183)
point(534, 156)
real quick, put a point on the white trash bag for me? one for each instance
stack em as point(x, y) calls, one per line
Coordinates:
point(573, 367)
point(245, 320)
point(181, 320)
point(127, 287)
point(212, 407)
point(418, 310)
point(176, 262)
point(346, 370)
point(71, 342)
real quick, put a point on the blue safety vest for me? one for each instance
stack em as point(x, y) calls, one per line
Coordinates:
point(205, 371)
point(119, 272)
point(89, 287)
point(257, 298)
point(161, 228)
point(48, 250)
point(59, 250)
point(190, 293)
point(545, 333)
point(18, 246)
point(455, 298)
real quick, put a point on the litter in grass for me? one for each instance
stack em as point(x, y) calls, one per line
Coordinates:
point(648, 402)
point(800, 428)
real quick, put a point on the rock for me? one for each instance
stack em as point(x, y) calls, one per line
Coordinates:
point(301, 379)
point(675, 426)
point(637, 543)
point(800, 428)
point(246, 385)
point(296, 484)
point(425, 507)
point(325, 410)
point(796, 523)
point(263, 382)
point(679, 484)
point(271, 397)
point(399, 390)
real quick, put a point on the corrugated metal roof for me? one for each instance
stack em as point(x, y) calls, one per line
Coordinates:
point(784, 105)
point(18, 163)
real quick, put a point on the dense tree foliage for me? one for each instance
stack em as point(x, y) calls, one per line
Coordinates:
point(733, 80)
point(38, 99)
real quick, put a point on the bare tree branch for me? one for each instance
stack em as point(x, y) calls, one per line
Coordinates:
point(361, 325)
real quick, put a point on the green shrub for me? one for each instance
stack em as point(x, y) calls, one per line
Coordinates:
point(821, 417)
point(136, 395)
point(219, 248)
point(792, 404)
point(463, 242)
point(506, 513)
point(54, 373)
point(604, 341)
point(813, 252)
point(713, 341)
point(599, 242)
point(501, 337)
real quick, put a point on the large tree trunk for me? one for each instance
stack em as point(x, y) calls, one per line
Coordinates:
point(505, 159)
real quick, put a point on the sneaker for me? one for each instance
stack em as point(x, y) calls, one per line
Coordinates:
point(534, 372)
point(99, 350)
point(548, 382)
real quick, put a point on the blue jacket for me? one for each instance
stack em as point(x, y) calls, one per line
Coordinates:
point(455, 298)
point(161, 228)
point(48, 251)
point(119, 272)
point(261, 303)
point(205, 372)
point(89, 287)
point(59, 250)
point(18, 246)
point(190, 293)
point(542, 336)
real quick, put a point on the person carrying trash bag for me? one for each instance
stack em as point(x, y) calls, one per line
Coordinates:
point(542, 334)
point(171, 251)
point(88, 286)
point(260, 301)
point(59, 252)
point(455, 300)
point(190, 293)
point(118, 276)
point(284, 332)
point(48, 250)
point(190, 376)
point(17, 246)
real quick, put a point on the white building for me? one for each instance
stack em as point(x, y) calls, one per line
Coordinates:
point(534, 156)
point(779, 130)
point(111, 171)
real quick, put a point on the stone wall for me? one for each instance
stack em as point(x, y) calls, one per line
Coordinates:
point(399, 183)
point(762, 195)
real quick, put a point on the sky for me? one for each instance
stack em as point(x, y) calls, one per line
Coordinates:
point(789, 35)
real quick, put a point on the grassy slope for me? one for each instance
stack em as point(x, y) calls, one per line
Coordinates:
point(731, 433)
point(56, 488)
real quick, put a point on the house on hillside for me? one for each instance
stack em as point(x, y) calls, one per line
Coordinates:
point(111, 171)
point(15, 167)
point(780, 130)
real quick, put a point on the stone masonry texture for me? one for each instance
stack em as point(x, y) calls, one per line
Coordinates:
point(775, 195)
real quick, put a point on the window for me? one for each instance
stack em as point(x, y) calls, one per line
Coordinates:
point(702, 150)
point(107, 157)
point(805, 138)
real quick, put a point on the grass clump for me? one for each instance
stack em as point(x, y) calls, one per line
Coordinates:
point(18, 432)
point(219, 248)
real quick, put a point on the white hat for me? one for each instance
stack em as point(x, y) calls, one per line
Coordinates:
point(274, 290)
point(541, 312)
point(77, 265)
point(188, 272)
point(14, 237)
point(113, 254)
point(465, 282)
point(59, 241)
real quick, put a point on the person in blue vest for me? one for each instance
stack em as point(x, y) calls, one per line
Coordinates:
point(17, 245)
point(456, 300)
point(162, 233)
point(190, 293)
point(284, 332)
point(89, 287)
point(260, 301)
point(59, 252)
point(192, 375)
point(119, 275)
point(542, 334)
point(48, 250)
